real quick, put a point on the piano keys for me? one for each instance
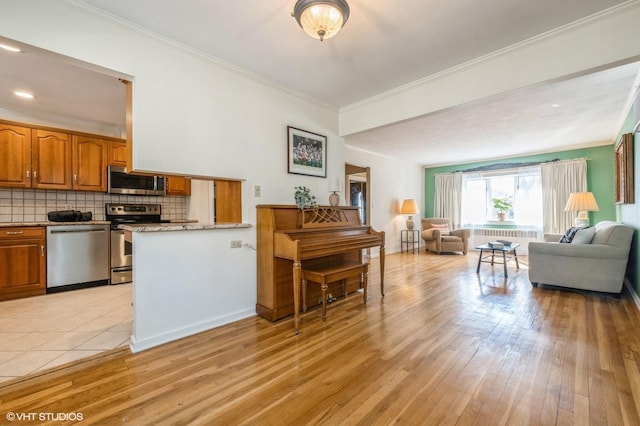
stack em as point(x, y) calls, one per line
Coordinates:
point(290, 238)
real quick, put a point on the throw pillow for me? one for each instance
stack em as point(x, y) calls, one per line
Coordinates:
point(444, 228)
point(584, 235)
point(568, 236)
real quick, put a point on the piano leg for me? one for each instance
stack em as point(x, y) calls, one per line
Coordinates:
point(304, 295)
point(323, 291)
point(382, 270)
point(297, 272)
point(363, 280)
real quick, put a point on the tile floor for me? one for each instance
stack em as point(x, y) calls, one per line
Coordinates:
point(41, 332)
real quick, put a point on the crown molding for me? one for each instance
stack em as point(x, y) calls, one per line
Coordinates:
point(186, 48)
point(618, 9)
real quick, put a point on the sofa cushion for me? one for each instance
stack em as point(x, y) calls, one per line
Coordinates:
point(584, 235)
point(443, 228)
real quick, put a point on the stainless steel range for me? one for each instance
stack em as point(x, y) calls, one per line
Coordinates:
point(121, 250)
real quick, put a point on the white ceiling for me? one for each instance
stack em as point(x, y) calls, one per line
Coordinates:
point(383, 45)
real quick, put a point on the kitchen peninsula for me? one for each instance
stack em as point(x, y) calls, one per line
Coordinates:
point(185, 279)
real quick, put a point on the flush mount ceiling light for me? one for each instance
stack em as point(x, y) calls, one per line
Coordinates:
point(321, 19)
point(22, 94)
point(10, 48)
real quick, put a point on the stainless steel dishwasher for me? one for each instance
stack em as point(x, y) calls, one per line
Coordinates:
point(77, 254)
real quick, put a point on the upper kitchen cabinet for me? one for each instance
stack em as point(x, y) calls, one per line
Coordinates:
point(51, 160)
point(89, 163)
point(31, 158)
point(117, 152)
point(228, 201)
point(15, 156)
point(177, 185)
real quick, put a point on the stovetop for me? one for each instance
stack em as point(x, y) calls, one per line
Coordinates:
point(118, 213)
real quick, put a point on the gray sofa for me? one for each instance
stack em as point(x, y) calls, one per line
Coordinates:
point(598, 266)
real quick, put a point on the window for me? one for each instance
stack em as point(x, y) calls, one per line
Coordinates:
point(519, 190)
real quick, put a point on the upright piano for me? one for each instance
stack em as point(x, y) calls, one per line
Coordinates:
point(290, 239)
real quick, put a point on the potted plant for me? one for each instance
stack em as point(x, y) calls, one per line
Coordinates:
point(502, 206)
point(304, 199)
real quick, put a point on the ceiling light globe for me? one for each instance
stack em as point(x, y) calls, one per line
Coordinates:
point(321, 19)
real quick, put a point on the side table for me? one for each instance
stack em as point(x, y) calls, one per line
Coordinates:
point(410, 238)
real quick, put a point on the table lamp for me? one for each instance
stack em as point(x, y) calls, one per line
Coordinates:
point(581, 202)
point(410, 208)
point(334, 186)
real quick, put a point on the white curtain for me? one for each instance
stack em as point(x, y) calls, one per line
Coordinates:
point(448, 197)
point(559, 180)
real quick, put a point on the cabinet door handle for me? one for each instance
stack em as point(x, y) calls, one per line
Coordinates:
point(28, 174)
point(42, 250)
point(15, 232)
point(35, 175)
point(75, 178)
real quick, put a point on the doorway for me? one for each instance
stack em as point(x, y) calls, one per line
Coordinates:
point(358, 190)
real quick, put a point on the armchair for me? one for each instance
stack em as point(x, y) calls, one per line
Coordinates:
point(598, 266)
point(437, 241)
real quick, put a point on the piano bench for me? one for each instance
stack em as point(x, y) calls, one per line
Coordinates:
point(324, 275)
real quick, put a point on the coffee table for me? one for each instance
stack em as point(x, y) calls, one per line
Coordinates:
point(505, 259)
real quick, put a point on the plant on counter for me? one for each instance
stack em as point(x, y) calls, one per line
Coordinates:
point(304, 199)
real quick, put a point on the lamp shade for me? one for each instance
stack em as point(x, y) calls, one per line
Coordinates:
point(581, 201)
point(409, 207)
point(321, 19)
point(334, 185)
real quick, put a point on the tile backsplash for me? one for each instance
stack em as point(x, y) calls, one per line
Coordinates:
point(32, 205)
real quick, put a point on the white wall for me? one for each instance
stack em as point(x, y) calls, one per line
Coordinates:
point(391, 182)
point(172, 301)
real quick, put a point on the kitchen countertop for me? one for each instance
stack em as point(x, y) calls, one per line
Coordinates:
point(162, 227)
point(49, 223)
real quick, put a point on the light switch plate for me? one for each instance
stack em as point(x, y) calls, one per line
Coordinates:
point(257, 191)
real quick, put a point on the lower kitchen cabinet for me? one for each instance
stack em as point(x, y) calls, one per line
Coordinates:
point(22, 262)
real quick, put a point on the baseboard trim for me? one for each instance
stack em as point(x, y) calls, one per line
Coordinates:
point(634, 295)
point(153, 341)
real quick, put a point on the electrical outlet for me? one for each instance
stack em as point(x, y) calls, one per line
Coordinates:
point(257, 191)
point(236, 243)
point(68, 207)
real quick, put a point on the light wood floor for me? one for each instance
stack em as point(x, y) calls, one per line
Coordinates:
point(445, 346)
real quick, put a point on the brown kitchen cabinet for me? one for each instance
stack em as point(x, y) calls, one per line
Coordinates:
point(50, 159)
point(22, 262)
point(117, 153)
point(228, 201)
point(89, 163)
point(15, 156)
point(177, 185)
point(34, 158)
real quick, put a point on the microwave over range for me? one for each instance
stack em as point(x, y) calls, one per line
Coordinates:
point(121, 182)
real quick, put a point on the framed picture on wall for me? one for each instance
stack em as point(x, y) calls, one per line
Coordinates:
point(624, 170)
point(306, 153)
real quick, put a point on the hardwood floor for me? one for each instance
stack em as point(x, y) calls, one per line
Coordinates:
point(444, 346)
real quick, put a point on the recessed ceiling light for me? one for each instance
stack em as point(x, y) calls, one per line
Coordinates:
point(10, 48)
point(555, 105)
point(25, 95)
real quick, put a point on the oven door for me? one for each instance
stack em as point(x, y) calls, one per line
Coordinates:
point(121, 258)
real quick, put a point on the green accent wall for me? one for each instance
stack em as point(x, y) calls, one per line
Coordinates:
point(629, 214)
point(600, 176)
